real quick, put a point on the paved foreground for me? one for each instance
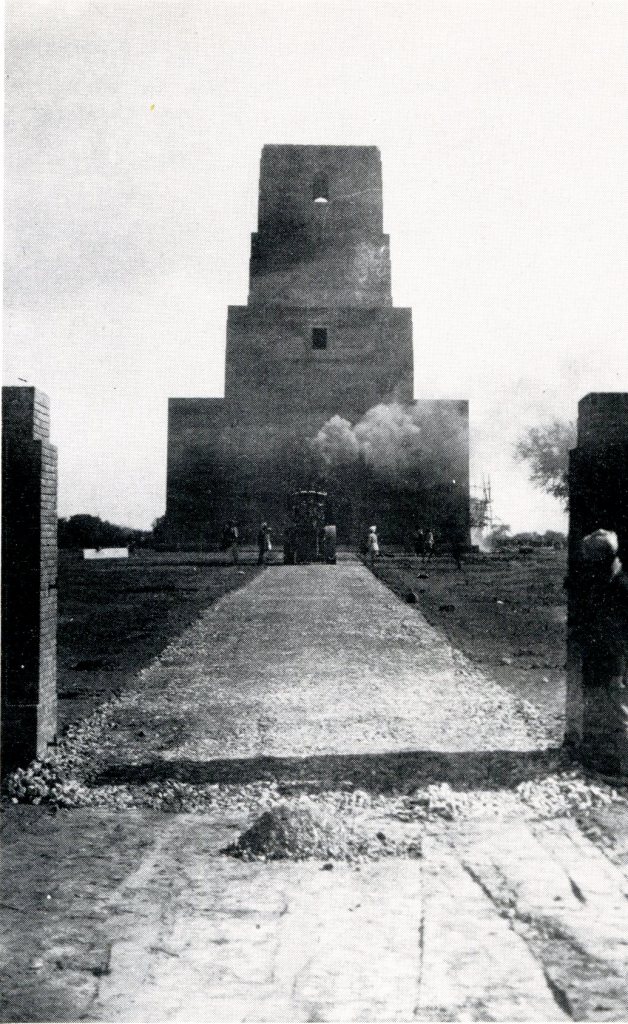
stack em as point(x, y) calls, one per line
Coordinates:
point(319, 679)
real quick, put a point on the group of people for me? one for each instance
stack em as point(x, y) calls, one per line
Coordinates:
point(231, 542)
point(423, 543)
point(422, 540)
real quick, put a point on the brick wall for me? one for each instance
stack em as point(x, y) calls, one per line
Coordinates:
point(29, 578)
point(224, 465)
point(602, 419)
point(273, 371)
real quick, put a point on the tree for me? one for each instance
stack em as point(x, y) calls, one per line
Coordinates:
point(554, 538)
point(85, 531)
point(546, 450)
point(529, 538)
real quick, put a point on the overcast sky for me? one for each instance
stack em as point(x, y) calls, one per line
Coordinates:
point(133, 136)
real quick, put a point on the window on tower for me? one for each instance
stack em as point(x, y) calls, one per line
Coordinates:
point(319, 337)
point(321, 189)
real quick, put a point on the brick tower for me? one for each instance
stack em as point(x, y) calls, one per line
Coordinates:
point(319, 337)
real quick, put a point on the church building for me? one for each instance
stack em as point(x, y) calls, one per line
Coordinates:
point(318, 338)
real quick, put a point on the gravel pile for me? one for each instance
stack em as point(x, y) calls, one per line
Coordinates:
point(306, 830)
point(562, 794)
point(439, 802)
point(348, 817)
point(46, 782)
point(570, 793)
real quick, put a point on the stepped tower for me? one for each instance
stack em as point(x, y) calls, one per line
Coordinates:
point(318, 337)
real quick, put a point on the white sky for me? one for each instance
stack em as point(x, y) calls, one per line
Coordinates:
point(132, 144)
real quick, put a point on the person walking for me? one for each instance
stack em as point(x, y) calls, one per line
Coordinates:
point(372, 545)
point(263, 543)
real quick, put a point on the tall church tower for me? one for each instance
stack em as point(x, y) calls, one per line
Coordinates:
point(318, 337)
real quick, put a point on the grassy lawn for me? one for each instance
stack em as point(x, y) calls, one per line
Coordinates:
point(507, 615)
point(115, 616)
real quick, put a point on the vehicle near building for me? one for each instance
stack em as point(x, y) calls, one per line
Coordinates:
point(309, 537)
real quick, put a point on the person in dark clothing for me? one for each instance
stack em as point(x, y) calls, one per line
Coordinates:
point(602, 630)
point(419, 542)
point(457, 547)
point(231, 541)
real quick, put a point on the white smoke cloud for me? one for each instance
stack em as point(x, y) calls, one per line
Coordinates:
point(389, 439)
point(393, 440)
point(336, 442)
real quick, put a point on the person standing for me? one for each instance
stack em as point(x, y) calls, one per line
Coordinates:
point(232, 539)
point(419, 542)
point(263, 543)
point(428, 550)
point(372, 545)
point(457, 547)
point(602, 625)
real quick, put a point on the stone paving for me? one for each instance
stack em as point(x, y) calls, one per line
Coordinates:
point(500, 918)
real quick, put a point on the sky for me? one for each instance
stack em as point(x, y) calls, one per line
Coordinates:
point(133, 133)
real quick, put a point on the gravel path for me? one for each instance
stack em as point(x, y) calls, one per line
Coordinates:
point(314, 660)
point(316, 679)
point(429, 868)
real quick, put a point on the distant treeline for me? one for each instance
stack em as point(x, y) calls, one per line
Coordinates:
point(83, 531)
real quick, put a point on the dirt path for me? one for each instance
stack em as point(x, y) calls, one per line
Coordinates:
point(314, 679)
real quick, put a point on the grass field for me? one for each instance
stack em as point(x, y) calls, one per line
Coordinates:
point(506, 614)
point(115, 616)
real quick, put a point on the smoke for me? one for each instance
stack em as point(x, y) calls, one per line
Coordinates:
point(394, 441)
point(336, 442)
point(481, 537)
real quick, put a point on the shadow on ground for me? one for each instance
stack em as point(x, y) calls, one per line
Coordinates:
point(375, 773)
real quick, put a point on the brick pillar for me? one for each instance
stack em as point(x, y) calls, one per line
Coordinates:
point(598, 499)
point(29, 577)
